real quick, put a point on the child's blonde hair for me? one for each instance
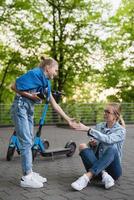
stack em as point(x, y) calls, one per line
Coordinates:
point(47, 62)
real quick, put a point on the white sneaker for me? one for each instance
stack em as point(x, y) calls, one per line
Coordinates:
point(107, 180)
point(80, 183)
point(39, 178)
point(30, 182)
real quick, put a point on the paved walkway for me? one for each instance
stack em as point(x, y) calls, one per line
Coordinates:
point(62, 171)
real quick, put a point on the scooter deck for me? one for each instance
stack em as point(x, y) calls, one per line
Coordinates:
point(52, 152)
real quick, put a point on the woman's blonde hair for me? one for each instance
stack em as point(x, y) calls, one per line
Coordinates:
point(47, 62)
point(117, 111)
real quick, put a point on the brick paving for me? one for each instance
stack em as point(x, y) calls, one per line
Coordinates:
point(62, 171)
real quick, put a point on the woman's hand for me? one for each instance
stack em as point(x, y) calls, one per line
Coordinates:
point(92, 142)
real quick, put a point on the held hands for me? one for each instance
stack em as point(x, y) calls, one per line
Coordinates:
point(78, 125)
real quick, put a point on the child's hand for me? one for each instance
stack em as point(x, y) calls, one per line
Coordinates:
point(34, 96)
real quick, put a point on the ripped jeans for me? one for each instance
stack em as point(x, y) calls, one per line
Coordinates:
point(22, 111)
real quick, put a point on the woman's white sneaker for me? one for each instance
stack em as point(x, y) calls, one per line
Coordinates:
point(107, 180)
point(39, 178)
point(30, 182)
point(80, 183)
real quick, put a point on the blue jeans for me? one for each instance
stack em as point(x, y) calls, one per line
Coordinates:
point(22, 115)
point(109, 162)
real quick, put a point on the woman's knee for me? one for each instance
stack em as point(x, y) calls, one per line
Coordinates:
point(82, 146)
point(112, 149)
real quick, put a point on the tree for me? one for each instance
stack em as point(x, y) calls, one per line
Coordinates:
point(61, 29)
point(119, 48)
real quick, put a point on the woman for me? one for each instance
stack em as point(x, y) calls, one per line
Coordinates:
point(103, 156)
point(27, 87)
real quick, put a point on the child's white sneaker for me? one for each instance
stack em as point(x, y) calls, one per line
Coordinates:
point(30, 181)
point(39, 178)
point(80, 183)
point(107, 180)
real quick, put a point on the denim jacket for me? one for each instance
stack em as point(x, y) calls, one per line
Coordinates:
point(107, 137)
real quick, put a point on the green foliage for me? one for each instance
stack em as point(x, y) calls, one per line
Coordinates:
point(118, 48)
point(65, 30)
point(21, 4)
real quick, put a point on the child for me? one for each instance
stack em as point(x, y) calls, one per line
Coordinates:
point(27, 88)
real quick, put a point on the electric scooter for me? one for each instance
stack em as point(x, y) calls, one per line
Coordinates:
point(41, 146)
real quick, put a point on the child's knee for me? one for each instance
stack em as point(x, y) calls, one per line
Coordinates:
point(82, 146)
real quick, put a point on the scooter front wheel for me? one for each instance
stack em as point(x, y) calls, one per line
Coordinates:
point(46, 144)
point(72, 148)
point(10, 153)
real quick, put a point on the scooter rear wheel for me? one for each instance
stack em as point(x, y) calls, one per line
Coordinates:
point(34, 153)
point(10, 153)
point(72, 146)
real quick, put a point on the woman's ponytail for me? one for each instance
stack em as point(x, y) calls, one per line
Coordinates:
point(121, 121)
point(117, 111)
